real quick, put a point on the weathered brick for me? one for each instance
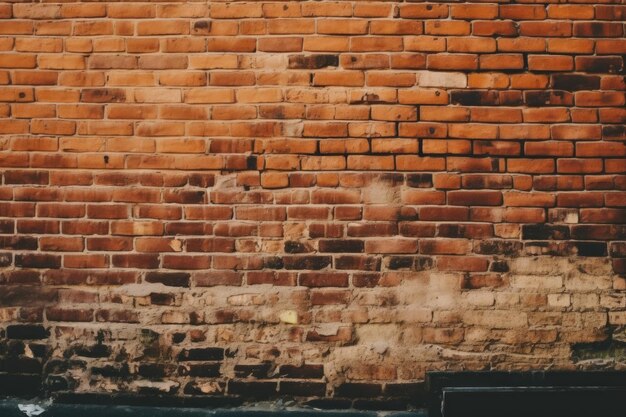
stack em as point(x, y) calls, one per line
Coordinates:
point(317, 174)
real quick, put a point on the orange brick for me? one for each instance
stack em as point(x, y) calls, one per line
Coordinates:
point(282, 44)
point(339, 78)
point(449, 114)
point(366, 162)
point(423, 11)
point(452, 62)
point(163, 27)
point(494, 28)
point(375, 44)
point(474, 11)
point(555, 29)
point(448, 28)
point(18, 61)
point(394, 27)
point(342, 27)
point(360, 145)
point(501, 62)
point(131, 10)
point(550, 63)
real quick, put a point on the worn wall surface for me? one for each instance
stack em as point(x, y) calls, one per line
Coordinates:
point(309, 199)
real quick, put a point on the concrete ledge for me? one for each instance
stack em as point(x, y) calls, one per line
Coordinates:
point(10, 408)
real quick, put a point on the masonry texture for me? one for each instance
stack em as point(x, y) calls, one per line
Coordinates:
point(319, 200)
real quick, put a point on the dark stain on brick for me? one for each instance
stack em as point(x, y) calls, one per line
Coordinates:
point(614, 132)
point(341, 246)
point(111, 371)
point(365, 280)
point(26, 177)
point(251, 162)
point(27, 331)
point(202, 180)
point(548, 98)
point(38, 261)
point(592, 249)
point(292, 246)
point(151, 370)
point(595, 64)
point(419, 180)
point(605, 349)
point(162, 299)
point(259, 371)
point(423, 263)
point(499, 266)
point(474, 98)
point(510, 98)
point(575, 82)
point(400, 262)
point(313, 61)
point(544, 232)
point(273, 262)
point(306, 371)
point(171, 279)
point(498, 247)
point(203, 370)
point(27, 295)
point(202, 25)
point(93, 351)
point(202, 354)
point(306, 262)
point(103, 95)
point(361, 263)
point(252, 389)
point(178, 337)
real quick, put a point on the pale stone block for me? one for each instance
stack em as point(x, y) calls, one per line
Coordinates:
point(442, 79)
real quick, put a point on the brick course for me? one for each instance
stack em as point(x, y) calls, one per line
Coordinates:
point(311, 199)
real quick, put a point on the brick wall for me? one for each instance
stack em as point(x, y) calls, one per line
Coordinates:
point(309, 199)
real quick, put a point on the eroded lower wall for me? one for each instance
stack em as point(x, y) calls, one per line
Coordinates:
point(309, 199)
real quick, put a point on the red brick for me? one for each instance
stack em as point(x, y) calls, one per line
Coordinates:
point(423, 11)
point(550, 63)
point(555, 29)
point(491, 28)
point(533, 199)
point(475, 198)
point(575, 12)
point(531, 166)
point(598, 29)
point(549, 148)
point(525, 12)
point(462, 263)
point(444, 246)
point(334, 149)
point(582, 166)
